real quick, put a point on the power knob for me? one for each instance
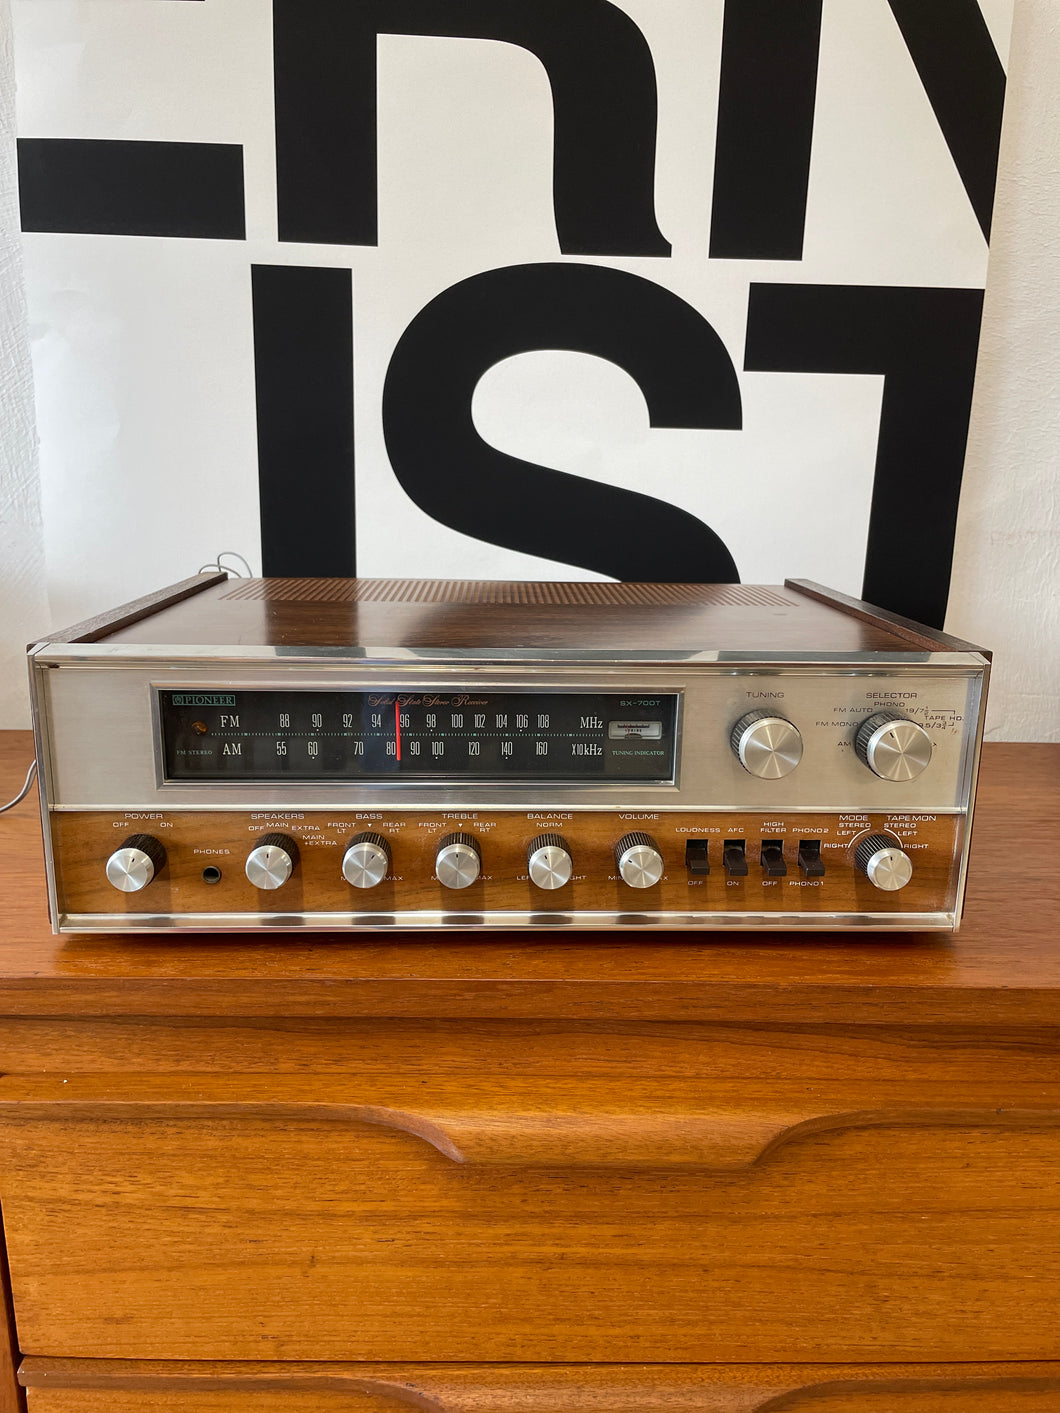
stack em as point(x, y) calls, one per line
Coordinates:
point(458, 862)
point(367, 861)
point(883, 863)
point(766, 745)
point(893, 747)
point(640, 864)
point(271, 862)
point(549, 861)
point(133, 865)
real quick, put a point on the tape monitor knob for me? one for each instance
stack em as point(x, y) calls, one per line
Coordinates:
point(271, 862)
point(640, 864)
point(883, 863)
point(367, 861)
point(549, 861)
point(893, 747)
point(766, 745)
point(458, 862)
point(133, 865)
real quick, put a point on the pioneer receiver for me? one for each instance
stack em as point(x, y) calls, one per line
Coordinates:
point(339, 754)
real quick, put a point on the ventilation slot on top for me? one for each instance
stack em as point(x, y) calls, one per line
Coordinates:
point(487, 591)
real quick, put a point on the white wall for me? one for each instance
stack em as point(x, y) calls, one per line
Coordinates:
point(23, 601)
point(1006, 583)
point(1005, 590)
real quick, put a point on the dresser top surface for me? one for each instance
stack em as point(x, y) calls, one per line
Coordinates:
point(1003, 967)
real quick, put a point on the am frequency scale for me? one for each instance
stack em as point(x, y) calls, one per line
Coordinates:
point(335, 754)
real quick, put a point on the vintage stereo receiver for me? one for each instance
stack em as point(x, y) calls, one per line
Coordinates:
point(362, 753)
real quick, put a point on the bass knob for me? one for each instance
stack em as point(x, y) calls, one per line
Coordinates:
point(367, 861)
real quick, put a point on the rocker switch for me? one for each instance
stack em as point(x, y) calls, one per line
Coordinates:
point(696, 860)
point(810, 858)
point(734, 857)
point(773, 858)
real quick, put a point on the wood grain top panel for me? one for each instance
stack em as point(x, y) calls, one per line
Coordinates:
point(1002, 968)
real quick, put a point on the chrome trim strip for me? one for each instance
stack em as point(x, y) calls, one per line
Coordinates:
point(969, 787)
point(45, 776)
point(298, 806)
point(506, 922)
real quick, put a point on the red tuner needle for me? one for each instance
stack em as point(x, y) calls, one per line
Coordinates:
point(397, 727)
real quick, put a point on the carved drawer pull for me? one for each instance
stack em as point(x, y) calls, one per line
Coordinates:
point(724, 1126)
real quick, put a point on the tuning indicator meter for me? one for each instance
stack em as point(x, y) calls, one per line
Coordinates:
point(492, 737)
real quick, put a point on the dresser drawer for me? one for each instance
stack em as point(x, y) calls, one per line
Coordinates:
point(103, 1386)
point(176, 1217)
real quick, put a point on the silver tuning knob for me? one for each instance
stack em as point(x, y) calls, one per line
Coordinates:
point(367, 861)
point(271, 862)
point(766, 745)
point(883, 863)
point(893, 747)
point(133, 865)
point(640, 864)
point(458, 862)
point(549, 861)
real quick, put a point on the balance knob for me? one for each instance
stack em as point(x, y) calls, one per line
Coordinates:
point(767, 746)
point(367, 861)
point(271, 862)
point(893, 747)
point(640, 864)
point(133, 865)
point(549, 861)
point(883, 863)
point(458, 862)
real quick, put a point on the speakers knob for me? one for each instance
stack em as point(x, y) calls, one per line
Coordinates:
point(549, 861)
point(133, 865)
point(271, 862)
point(893, 747)
point(883, 863)
point(640, 864)
point(367, 861)
point(458, 862)
point(766, 745)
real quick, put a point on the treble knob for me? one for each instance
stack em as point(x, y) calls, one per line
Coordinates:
point(133, 865)
point(458, 862)
point(766, 745)
point(549, 861)
point(367, 861)
point(883, 863)
point(893, 747)
point(640, 864)
point(271, 862)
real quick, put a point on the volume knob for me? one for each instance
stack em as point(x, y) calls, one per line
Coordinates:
point(549, 861)
point(271, 862)
point(892, 746)
point(367, 861)
point(458, 862)
point(766, 745)
point(883, 863)
point(640, 864)
point(133, 865)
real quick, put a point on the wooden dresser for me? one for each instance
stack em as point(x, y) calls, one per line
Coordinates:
point(512, 1174)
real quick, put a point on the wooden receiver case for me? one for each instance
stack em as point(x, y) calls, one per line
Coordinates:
point(374, 754)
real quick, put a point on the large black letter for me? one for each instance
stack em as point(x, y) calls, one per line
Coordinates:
point(603, 94)
point(303, 369)
point(675, 356)
point(924, 342)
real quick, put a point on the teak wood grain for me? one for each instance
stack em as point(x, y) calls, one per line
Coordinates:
point(1002, 969)
point(109, 1386)
point(147, 1233)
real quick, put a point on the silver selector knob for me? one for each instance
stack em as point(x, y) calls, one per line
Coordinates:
point(893, 747)
point(640, 864)
point(367, 861)
point(549, 861)
point(458, 862)
point(766, 745)
point(883, 863)
point(133, 865)
point(271, 862)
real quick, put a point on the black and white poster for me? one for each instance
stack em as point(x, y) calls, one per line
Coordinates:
point(638, 289)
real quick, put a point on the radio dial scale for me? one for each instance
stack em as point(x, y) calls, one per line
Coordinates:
point(381, 754)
